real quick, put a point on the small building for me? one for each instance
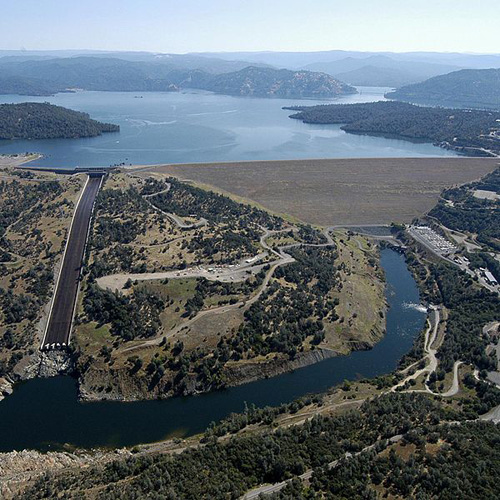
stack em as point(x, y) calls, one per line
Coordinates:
point(491, 280)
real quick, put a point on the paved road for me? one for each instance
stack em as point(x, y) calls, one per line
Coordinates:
point(174, 218)
point(61, 313)
point(432, 365)
point(224, 273)
point(463, 267)
point(430, 353)
point(455, 386)
point(283, 259)
point(269, 489)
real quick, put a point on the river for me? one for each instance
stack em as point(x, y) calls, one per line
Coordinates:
point(184, 127)
point(45, 414)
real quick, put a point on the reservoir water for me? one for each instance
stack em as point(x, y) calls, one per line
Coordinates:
point(184, 127)
point(45, 414)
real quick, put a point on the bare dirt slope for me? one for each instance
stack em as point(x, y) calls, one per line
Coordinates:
point(339, 191)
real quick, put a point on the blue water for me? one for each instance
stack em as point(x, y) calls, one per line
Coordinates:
point(45, 414)
point(202, 127)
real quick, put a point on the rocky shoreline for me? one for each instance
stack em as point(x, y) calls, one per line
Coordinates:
point(127, 388)
point(235, 374)
point(132, 389)
point(39, 364)
point(243, 373)
point(19, 468)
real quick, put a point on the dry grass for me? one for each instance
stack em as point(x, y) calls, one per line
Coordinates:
point(14, 160)
point(338, 191)
point(35, 239)
point(361, 298)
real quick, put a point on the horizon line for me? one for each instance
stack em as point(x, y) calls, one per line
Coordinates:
point(246, 51)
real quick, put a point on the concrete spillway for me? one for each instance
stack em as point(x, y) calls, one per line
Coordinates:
point(64, 300)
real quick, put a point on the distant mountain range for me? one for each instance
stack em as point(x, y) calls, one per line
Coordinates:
point(468, 88)
point(174, 61)
point(298, 60)
point(380, 71)
point(307, 74)
point(384, 69)
point(43, 76)
point(374, 76)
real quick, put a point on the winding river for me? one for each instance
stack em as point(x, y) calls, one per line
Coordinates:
point(45, 414)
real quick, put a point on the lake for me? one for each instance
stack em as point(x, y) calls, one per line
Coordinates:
point(185, 127)
point(45, 414)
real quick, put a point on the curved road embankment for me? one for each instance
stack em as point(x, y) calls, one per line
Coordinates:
point(173, 217)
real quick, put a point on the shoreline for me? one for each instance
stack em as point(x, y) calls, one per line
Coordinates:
point(15, 160)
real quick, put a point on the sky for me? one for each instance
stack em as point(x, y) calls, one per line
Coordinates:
point(180, 26)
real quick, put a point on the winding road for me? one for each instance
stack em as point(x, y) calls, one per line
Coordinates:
point(269, 489)
point(237, 272)
point(174, 218)
point(432, 364)
point(242, 272)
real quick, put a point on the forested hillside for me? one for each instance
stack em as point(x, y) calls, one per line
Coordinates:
point(268, 82)
point(475, 133)
point(444, 464)
point(426, 456)
point(468, 88)
point(31, 120)
point(26, 86)
point(112, 74)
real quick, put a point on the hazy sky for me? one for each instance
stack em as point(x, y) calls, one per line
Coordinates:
point(229, 25)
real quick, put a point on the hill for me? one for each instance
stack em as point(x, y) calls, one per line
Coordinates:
point(26, 86)
point(268, 82)
point(181, 61)
point(167, 74)
point(380, 70)
point(32, 120)
point(475, 133)
point(93, 73)
point(468, 88)
point(374, 76)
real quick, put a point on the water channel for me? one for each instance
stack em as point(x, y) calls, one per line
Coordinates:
point(45, 414)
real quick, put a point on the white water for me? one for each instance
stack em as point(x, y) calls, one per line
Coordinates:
point(416, 307)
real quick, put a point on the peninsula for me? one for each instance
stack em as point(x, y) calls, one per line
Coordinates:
point(33, 120)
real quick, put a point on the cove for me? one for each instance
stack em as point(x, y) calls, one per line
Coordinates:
point(45, 414)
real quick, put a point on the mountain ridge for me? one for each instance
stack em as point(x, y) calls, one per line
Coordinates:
point(381, 70)
point(468, 88)
point(112, 74)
